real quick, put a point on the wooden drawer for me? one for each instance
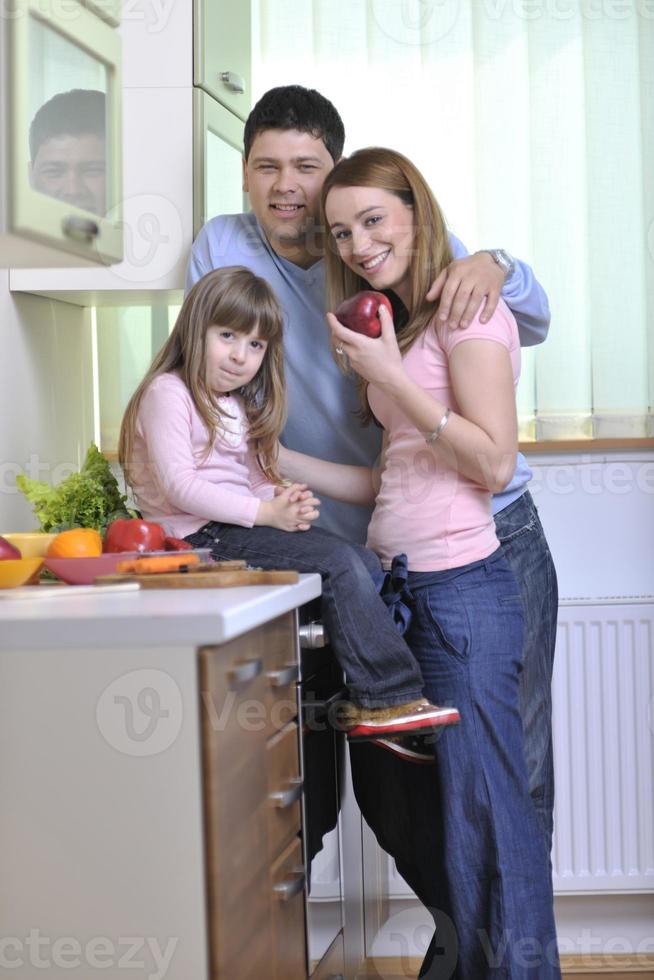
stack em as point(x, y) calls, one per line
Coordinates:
point(284, 788)
point(332, 965)
point(282, 671)
point(287, 877)
point(250, 763)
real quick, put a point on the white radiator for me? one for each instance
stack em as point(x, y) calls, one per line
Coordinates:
point(603, 746)
point(603, 723)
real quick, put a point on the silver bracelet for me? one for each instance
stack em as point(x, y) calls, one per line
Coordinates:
point(433, 436)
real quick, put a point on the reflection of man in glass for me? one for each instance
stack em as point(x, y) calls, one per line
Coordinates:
point(68, 149)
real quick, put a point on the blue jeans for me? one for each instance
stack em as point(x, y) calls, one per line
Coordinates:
point(402, 802)
point(466, 632)
point(525, 548)
point(379, 667)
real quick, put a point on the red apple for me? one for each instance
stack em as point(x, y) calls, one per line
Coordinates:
point(7, 551)
point(361, 312)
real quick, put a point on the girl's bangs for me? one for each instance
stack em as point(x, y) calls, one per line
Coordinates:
point(242, 309)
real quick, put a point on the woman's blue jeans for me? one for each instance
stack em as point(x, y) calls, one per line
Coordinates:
point(402, 802)
point(466, 633)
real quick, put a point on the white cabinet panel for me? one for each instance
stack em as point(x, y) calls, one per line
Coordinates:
point(222, 52)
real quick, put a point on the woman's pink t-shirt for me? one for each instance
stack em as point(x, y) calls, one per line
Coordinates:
point(426, 508)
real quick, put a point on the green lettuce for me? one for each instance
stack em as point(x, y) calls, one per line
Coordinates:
point(90, 498)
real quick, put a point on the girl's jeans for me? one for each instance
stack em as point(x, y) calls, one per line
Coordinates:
point(379, 667)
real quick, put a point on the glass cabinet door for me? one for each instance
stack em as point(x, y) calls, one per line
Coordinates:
point(64, 102)
point(221, 52)
point(109, 10)
point(217, 161)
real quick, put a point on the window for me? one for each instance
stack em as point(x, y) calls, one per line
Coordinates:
point(532, 121)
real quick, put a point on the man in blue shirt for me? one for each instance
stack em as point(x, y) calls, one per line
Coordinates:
point(293, 138)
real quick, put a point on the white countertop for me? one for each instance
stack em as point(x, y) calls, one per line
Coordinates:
point(150, 617)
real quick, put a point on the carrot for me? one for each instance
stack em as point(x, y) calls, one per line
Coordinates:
point(158, 564)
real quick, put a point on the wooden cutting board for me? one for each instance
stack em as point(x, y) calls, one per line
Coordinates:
point(205, 579)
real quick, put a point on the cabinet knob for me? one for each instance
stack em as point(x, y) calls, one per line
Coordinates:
point(286, 890)
point(234, 82)
point(280, 678)
point(81, 229)
point(312, 635)
point(284, 798)
point(245, 672)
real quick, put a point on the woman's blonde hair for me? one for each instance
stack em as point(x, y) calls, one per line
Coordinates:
point(390, 171)
point(232, 297)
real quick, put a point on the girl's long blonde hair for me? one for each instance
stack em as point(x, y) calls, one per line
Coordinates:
point(390, 171)
point(235, 298)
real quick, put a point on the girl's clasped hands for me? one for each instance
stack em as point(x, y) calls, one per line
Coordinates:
point(293, 508)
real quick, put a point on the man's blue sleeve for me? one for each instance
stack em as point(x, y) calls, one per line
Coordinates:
point(199, 262)
point(524, 296)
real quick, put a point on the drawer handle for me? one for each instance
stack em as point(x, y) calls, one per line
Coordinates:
point(80, 229)
point(286, 890)
point(245, 672)
point(283, 798)
point(234, 82)
point(280, 678)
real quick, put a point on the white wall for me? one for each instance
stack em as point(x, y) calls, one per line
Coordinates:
point(46, 395)
point(598, 514)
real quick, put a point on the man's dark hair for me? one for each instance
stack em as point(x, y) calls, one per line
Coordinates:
point(295, 107)
point(73, 113)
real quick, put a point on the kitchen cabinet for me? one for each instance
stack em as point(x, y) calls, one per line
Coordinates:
point(60, 144)
point(109, 10)
point(182, 164)
point(221, 46)
point(218, 161)
point(150, 768)
point(252, 811)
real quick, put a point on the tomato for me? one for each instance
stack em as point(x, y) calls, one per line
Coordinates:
point(80, 542)
point(133, 535)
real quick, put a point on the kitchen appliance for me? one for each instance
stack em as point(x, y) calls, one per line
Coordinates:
point(322, 754)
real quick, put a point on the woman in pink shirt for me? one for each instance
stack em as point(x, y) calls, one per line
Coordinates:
point(446, 401)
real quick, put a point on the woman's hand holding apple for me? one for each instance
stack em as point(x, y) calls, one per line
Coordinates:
point(378, 360)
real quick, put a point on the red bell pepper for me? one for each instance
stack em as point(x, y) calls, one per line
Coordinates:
point(133, 534)
point(177, 544)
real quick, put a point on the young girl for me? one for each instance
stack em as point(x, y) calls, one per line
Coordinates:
point(447, 404)
point(198, 445)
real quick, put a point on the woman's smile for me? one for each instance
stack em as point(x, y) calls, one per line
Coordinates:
point(373, 230)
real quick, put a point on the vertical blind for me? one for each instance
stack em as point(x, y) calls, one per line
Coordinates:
point(532, 121)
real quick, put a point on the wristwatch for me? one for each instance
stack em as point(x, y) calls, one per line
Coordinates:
point(503, 259)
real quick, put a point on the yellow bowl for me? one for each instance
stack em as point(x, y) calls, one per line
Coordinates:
point(18, 571)
point(31, 544)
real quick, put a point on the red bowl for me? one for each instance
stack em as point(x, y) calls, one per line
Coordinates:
point(84, 571)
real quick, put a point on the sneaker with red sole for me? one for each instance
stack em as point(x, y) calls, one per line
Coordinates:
point(374, 723)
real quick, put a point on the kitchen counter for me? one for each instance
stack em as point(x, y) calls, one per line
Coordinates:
point(146, 616)
point(141, 735)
